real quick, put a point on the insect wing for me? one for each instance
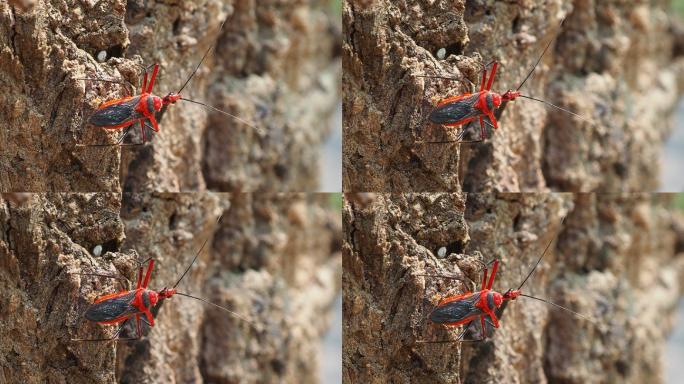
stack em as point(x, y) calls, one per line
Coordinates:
point(117, 307)
point(457, 310)
point(116, 114)
point(456, 111)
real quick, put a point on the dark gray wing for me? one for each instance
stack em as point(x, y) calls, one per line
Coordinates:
point(111, 309)
point(456, 111)
point(116, 114)
point(456, 310)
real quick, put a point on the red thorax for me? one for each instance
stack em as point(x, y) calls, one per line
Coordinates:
point(497, 99)
point(498, 299)
point(142, 105)
point(483, 304)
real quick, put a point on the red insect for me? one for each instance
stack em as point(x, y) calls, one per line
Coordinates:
point(125, 112)
point(485, 106)
point(124, 306)
point(482, 306)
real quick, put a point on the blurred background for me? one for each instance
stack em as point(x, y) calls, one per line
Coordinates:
point(672, 181)
point(330, 168)
point(673, 156)
point(330, 180)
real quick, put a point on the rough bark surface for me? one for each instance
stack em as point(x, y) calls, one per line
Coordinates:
point(618, 259)
point(615, 62)
point(276, 64)
point(258, 262)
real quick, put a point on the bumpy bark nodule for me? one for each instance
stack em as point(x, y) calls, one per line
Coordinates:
point(276, 64)
point(618, 259)
point(617, 63)
point(259, 262)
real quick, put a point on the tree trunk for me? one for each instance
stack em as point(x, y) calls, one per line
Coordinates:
point(616, 63)
point(276, 65)
point(616, 258)
point(257, 262)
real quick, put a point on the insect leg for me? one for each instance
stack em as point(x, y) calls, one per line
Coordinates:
point(491, 76)
point(142, 129)
point(483, 132)
point(484, 327)
point(126, 83)
point(113, 338)
point(145, 69)
point(491, 278)
point(146, 125)
point(494, 320)
point(148, 273)
point(154, 76)
point(472, 328)
point(122, 279)
point(482, 129)
point(155, 126)
point(459, 338)
point(120, 140)
point(138, 326)
point(462, 133)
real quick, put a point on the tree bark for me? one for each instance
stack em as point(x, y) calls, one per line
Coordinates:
point(616, 63)
point(257, 262)
point(616, 258)
point(276, 64)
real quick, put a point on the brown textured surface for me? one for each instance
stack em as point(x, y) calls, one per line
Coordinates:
point(617, 258)
point(614, 62)
point(261, 262)
point(276, 64)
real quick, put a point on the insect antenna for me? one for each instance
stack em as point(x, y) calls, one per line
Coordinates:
point(544, 300)
point(196, 256)
point(542, 55)
point(206, 53)
point(119, 141)
point(243, 121)
point(586, 119)
point(203, 57)
point(560, 307)
point(221, 307)
point(236, 315)
point(540, 259)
